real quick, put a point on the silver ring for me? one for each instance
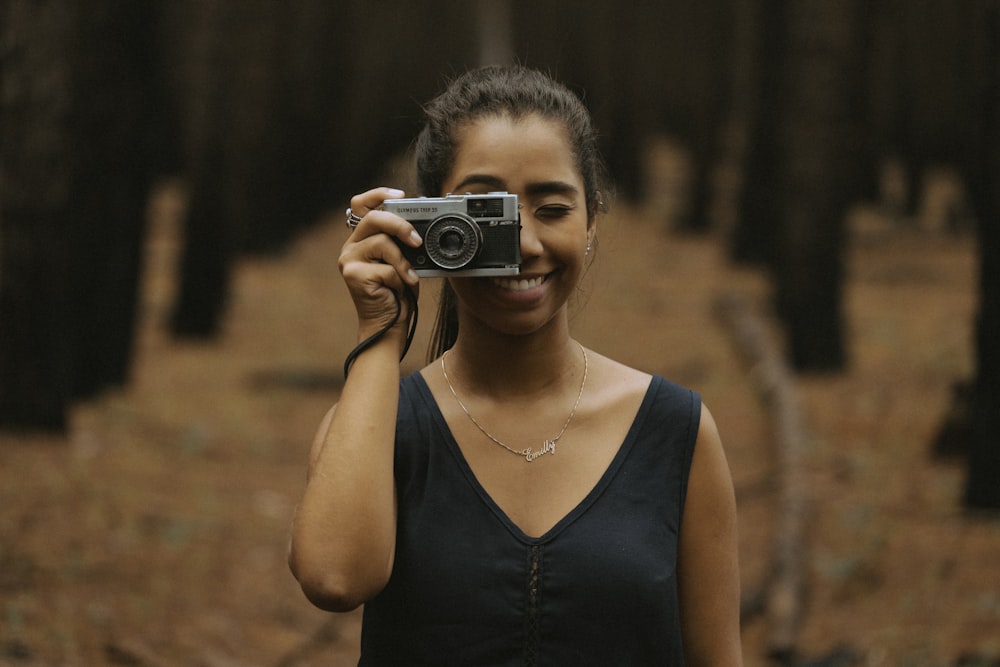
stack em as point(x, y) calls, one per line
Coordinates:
point(352, 219)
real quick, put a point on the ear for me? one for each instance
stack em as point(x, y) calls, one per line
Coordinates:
point(600, 205)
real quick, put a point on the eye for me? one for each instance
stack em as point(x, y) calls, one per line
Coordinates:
point(554, 211)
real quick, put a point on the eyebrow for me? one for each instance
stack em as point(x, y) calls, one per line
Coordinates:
point(551, 188)
point(492, 182)
point(541, 188)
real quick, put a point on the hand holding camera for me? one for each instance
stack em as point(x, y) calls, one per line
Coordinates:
point(375, 272)
point(458, 235)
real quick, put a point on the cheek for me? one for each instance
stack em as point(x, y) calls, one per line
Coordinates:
point(579, 243)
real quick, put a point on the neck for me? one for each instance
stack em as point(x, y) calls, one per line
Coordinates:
point(500, 365)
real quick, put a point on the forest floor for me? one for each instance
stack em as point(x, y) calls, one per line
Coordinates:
point(155, 532)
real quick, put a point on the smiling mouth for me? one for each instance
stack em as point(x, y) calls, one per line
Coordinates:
point(519, 284)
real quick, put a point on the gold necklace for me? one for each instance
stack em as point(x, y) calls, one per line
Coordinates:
point(548, 446)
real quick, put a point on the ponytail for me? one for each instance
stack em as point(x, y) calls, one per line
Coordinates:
point(445, 331)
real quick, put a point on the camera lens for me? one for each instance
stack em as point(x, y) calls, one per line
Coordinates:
point(452, 241)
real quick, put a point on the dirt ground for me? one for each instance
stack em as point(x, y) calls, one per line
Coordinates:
point(155, 533)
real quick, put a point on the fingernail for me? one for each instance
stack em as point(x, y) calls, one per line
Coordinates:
point(416, 237)
point(394, 192)
point(413, 275)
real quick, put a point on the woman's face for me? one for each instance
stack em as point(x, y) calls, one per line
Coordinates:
point(532, 158)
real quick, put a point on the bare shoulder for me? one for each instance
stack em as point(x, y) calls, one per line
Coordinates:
point(614, 383)
point(709, 465)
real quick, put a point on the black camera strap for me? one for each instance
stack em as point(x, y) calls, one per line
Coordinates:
point(411, 299)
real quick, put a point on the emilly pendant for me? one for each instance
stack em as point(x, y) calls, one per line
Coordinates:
point(548, 447)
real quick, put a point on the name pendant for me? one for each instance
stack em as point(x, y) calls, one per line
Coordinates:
point(548, 447)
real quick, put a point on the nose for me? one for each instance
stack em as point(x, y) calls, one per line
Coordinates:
point(531, 245)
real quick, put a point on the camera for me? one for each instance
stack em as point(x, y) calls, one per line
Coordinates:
point(464, 235)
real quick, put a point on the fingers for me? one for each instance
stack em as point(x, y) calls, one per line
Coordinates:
point(377, 291)
point(370, 220)
point(362, 203)
point(372, 260)
point(378, 222)
point(376, 252)
point(368, 281)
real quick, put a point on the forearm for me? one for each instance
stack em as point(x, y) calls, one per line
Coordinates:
point(343, 534)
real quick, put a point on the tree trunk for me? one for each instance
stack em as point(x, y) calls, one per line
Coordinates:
point(75, 169)
point(702, 48)
point(755, 239)
point(115, 133)
point(232, 73)
point(820, 140)
point(983, 482)
point(36, 359)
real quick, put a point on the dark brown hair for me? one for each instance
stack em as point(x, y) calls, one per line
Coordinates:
point(514, 92)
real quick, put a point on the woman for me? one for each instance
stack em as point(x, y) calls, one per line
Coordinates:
point(521, 500)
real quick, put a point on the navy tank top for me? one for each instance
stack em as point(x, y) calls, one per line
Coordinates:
point(468, 587)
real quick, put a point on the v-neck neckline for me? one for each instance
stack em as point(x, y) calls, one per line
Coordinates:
point(575, 512)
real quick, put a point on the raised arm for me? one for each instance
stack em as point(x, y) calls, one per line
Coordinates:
point(344, 531)
point(709, 576)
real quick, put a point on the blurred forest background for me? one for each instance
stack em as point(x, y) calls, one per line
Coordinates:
point(259, 118)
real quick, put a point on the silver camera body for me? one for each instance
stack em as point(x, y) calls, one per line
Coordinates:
point(464, 235)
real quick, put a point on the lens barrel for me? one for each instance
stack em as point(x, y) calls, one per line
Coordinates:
point(452, 241)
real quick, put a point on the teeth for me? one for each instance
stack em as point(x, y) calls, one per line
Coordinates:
point(516, 285)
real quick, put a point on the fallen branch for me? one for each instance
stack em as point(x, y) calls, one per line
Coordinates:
point(784, 595)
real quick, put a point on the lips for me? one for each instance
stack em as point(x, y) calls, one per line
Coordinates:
point(519, 284)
